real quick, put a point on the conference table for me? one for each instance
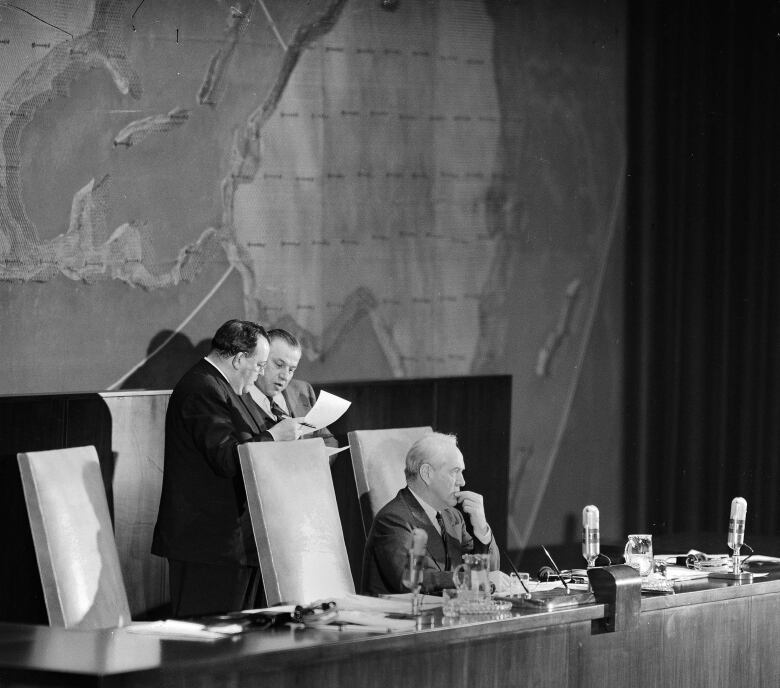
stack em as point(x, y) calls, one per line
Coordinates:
point(708, 633)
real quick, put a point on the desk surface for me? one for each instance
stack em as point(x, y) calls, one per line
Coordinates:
point(730, 628)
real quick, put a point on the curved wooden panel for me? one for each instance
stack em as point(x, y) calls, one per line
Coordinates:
point(74, 540)
point(295, 519)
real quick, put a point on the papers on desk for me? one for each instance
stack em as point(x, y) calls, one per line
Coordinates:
point(365, 614)
point(326, 410)
point(173, 629)
point(402, 602)
point(682, 573)
point(761, 565)
point(543, 586)
point(370, 614)
point(374, 623)
point(357, 613)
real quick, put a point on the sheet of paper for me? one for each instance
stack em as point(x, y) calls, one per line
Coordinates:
point(279, 609)
point(376, 621)
point(542, 586)
point(683, 573)
point(330, 451)
point(327, 409)
point(175, 630)
point(401, 602)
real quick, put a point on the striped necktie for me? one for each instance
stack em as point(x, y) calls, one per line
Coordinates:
point(440, 521)
point(277, 410)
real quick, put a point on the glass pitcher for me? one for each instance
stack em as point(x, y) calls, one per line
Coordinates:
point(639, 553)
point(471, 577)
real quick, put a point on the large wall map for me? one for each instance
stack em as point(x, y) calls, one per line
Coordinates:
point(415, 187)
point(338, 155)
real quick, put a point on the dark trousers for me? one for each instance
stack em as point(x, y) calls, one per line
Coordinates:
point(198, 589)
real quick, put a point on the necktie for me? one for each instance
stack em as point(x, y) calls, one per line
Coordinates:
point(277, 410)
point(440, 521)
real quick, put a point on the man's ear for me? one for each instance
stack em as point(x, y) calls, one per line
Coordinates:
point(425, 473)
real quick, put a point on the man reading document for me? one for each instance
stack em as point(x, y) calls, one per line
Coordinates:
point(276, 392)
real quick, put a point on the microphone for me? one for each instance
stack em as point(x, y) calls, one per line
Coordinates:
point(413, 573)
point(419, 542)
point(737, 524)
point(737, 532)
point(735, 541)
point(591, 539)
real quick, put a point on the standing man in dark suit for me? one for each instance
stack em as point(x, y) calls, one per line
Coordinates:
point(203, 525)
point(433, 500)
point(275, 391)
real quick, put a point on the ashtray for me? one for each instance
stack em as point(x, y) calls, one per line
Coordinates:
point(484, 606)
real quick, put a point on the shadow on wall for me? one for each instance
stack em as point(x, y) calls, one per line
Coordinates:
point(163, 369)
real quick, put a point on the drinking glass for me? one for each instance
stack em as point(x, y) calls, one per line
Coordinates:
point(450, 605)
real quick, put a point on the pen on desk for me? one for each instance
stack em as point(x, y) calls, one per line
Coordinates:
point(556, 569)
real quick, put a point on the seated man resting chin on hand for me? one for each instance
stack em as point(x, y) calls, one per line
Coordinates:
point(434, 501)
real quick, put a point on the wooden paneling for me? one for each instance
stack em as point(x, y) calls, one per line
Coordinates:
point(88, 422)
point(36, 423)
point(478, 411)
point(138, 435)
point(384, 404)
point(763, 656)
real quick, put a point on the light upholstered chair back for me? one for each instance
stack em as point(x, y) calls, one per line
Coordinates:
point(295, 519)
point(73, 538)
point(378, 458)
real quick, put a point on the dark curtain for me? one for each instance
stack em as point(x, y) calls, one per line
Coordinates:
point(703, 266)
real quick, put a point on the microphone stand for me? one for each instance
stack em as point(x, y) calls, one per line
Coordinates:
point(736, 573)
point(413, 578)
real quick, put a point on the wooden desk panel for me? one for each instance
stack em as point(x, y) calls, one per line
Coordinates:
point(729, 640)
point(764, 632)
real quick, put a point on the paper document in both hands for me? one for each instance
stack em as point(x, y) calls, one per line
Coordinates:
point(327, 409)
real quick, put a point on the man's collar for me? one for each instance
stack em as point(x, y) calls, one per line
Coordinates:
point(430, 512)
point(221, 372)
point(260, 399)
point(264, 401)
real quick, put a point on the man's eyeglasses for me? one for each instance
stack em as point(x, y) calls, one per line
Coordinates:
point(259, 364)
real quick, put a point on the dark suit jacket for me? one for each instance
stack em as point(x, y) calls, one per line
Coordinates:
point(300, 397)
point(389, 540)
point(203, 515)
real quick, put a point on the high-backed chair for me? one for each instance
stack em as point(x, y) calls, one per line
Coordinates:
point(73, 538)
point(295, 520)
point(378, 458)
